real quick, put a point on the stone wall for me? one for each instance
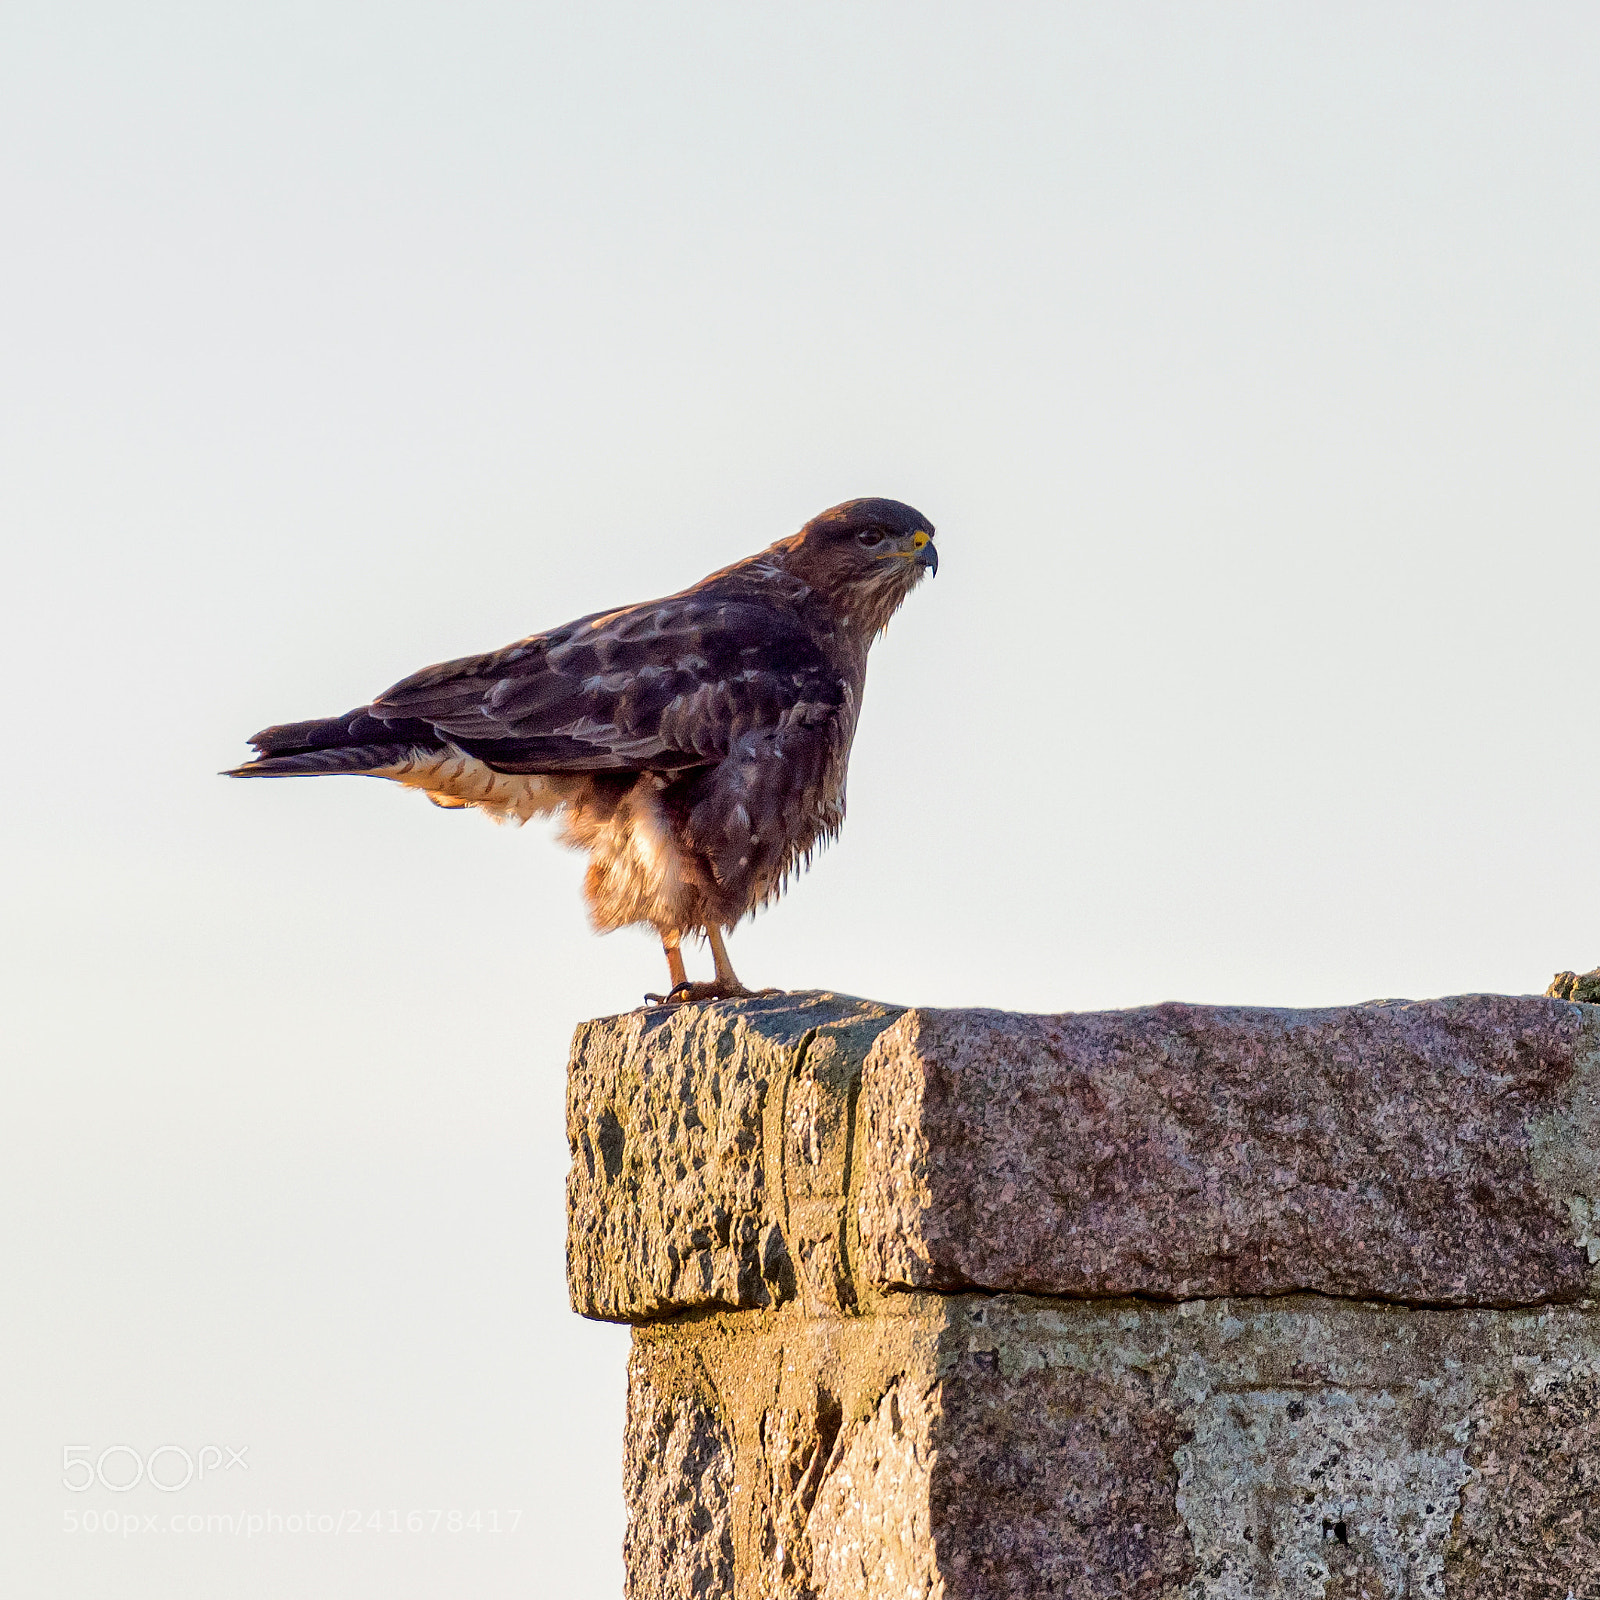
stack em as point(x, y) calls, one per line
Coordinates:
point(1183, 1301)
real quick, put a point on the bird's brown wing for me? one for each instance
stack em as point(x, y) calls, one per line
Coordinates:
point(665, 686)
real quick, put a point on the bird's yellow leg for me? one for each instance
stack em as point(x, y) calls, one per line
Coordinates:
point(726, 979)
point(724, 986)
point(671, 942)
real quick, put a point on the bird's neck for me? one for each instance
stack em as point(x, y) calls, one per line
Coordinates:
point(855, 612)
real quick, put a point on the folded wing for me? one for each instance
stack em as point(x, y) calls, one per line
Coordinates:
point(664, 686)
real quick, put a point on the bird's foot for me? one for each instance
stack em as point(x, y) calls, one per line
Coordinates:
point(690, 993)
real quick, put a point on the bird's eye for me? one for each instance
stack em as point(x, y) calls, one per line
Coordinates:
point(870, 537)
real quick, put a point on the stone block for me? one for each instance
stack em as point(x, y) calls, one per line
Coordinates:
point(818, 1148)
point(1426, 1152)
point(710, 1154)
point(993, 1447)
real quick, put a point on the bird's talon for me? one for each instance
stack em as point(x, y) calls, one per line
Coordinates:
point(677, 995)
point(683, 994)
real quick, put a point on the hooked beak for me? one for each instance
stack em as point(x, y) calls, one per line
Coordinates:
point(921, 553)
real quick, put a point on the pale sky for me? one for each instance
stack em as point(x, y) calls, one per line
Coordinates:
point(1245, 357)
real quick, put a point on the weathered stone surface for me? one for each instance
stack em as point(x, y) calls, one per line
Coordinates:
point(1055, 1483)
point(683, 1124)
point(989, 1446)
point(1425, 1152)
point(826, 1149)
point(678, 1465)
point(827, 1473)
point(1530, 1516)
point(872, 1531)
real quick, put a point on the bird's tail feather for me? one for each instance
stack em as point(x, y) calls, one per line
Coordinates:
point(355, 743)
point(360, 758)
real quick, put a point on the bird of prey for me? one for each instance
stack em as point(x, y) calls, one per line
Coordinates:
point(695, 746)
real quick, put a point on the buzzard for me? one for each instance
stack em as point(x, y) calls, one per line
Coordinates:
point(695, 746)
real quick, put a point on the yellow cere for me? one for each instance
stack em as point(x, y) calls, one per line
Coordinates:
point(918, 540)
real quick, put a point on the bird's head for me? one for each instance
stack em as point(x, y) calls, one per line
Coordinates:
point(864, 557)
